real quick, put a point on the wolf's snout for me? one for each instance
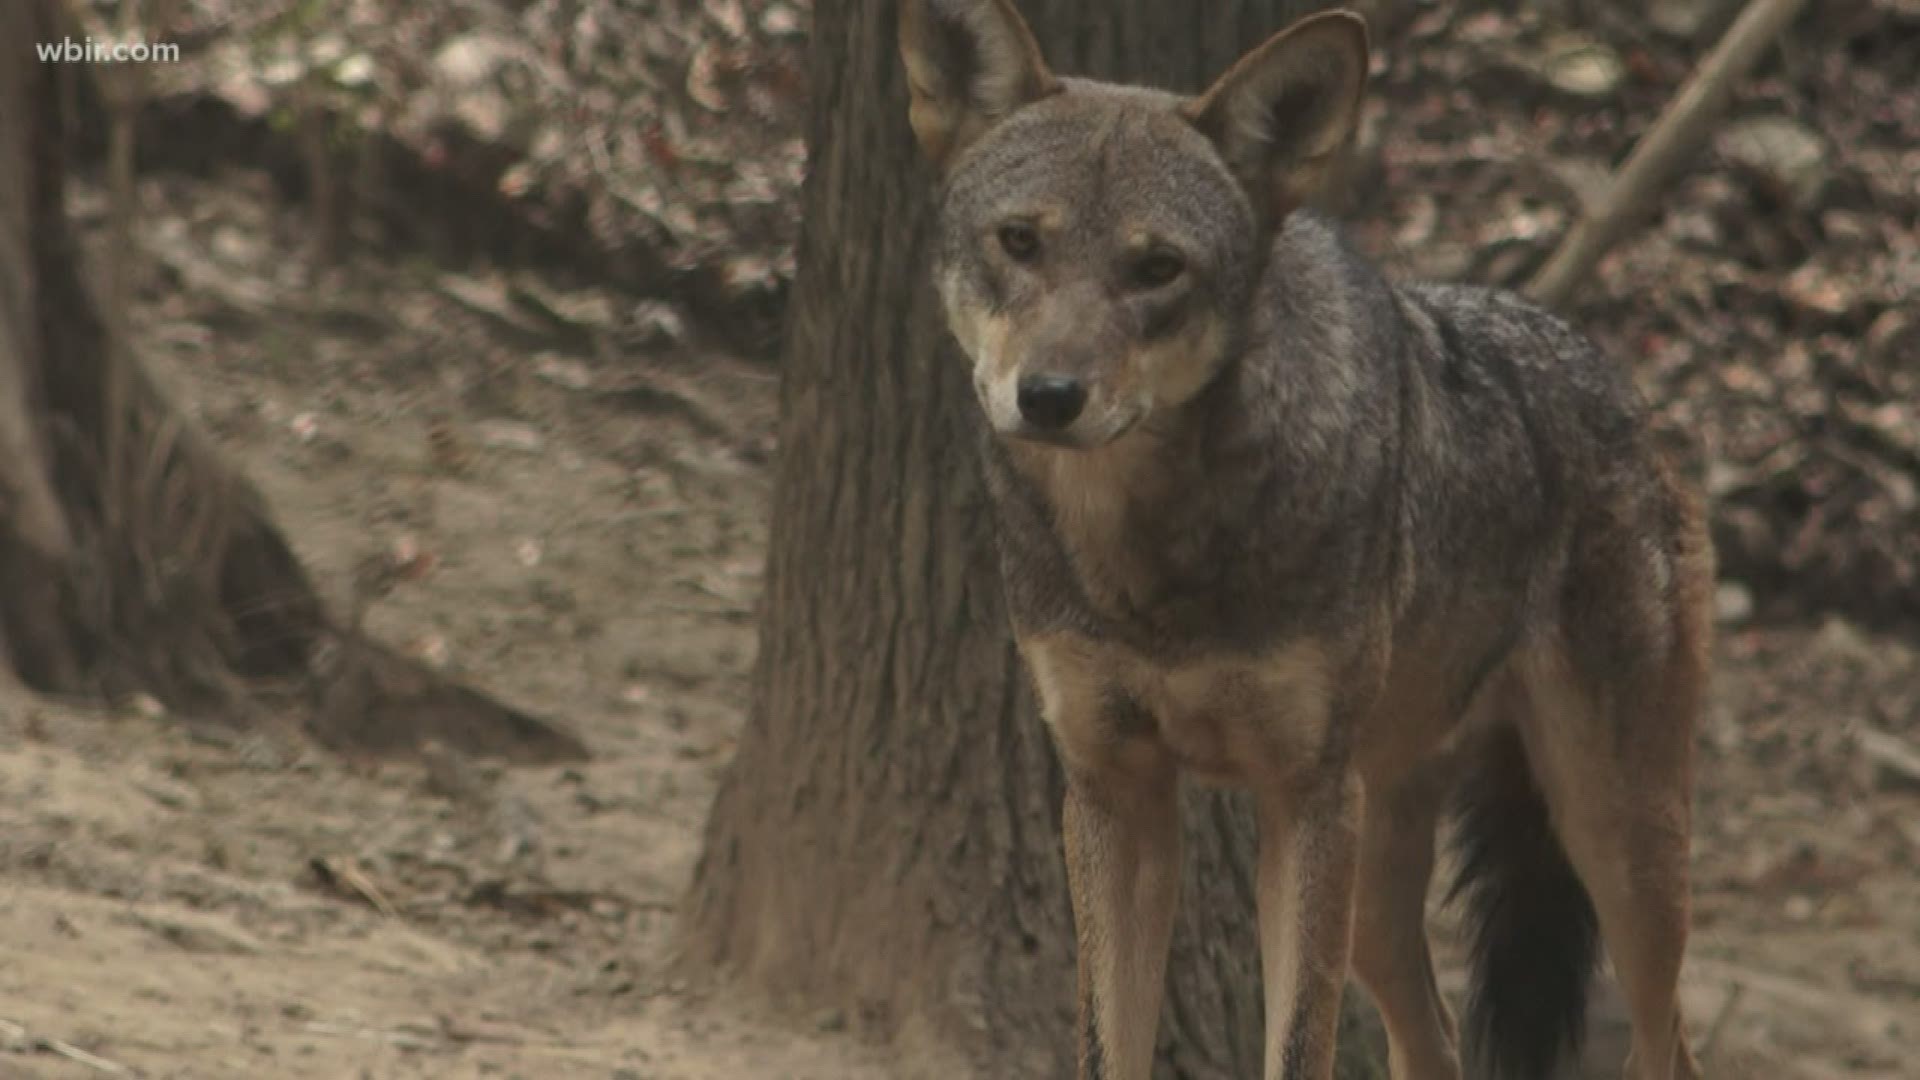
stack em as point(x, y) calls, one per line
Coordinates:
point(1051, 402)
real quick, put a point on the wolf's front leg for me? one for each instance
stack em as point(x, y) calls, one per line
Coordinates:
point(1123, 867)
point(1308, 845)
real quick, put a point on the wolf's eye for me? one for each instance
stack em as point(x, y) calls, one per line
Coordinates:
point(1156, 269)
point(1020, 242)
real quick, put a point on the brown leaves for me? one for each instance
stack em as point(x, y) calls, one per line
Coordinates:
point(668, 129)
point(1768, 309)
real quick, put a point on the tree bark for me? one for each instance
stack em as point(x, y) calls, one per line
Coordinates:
point(887, 840)
point(132, 558)
point(31, 512)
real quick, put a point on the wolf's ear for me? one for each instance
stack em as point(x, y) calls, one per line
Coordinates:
point(1282, 115)
point(969, 63)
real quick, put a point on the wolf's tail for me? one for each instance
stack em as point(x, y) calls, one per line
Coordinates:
point(1530, 923)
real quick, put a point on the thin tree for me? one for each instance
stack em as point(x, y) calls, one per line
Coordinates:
point(887, 840)
point(132, 558)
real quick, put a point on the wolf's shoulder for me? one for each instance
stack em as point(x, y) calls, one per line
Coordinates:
point(1562, 382)
point(1479, 318)
point(1491, 327)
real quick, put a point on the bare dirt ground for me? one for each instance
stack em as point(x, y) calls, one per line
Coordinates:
point(180, 898)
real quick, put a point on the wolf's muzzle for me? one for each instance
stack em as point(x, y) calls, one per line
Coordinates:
point(1051, 402)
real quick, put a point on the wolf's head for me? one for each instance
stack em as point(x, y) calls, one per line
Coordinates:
point(1099, 244)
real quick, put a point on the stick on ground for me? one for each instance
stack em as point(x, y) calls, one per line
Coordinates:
point(1675, 136)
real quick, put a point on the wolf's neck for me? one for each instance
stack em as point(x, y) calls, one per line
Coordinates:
point(1109, 510)
point(1096, 487)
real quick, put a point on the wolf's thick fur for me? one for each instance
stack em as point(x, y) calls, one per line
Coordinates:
point(1269, 520)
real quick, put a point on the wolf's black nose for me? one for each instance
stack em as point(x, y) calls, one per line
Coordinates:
point(1051, 402)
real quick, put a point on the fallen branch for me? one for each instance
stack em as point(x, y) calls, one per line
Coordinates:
point(344, 877)
point(17, 1033)
point(1895, 758)
point(75, 1054)
point(1675, 136)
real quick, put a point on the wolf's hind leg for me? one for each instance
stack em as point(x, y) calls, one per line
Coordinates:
point(1614, 768)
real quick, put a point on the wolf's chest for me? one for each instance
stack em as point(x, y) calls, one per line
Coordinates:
point(1226, 718)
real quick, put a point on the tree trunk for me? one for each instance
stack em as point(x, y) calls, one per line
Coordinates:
point(887, 841)
point(132, 558)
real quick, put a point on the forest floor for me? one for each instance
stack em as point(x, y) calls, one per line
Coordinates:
point(179, 898)
point(581, 490)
